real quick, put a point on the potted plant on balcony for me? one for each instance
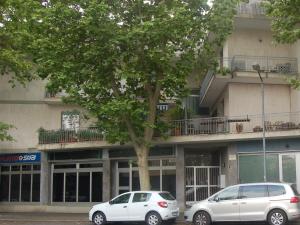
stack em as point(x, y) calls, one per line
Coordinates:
point(257, 129)
point(239, 127)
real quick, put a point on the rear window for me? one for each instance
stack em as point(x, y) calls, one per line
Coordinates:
point(276, 190)
point(166, 196)
point(294, 188)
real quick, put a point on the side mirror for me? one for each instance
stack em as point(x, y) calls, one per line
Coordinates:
point(110, 202)
point(216, 199)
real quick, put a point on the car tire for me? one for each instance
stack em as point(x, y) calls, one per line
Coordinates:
point(99, 218)
point(153, 218)
point(277, 217)
point(202, 218)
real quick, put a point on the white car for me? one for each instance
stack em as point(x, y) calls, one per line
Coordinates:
point(276, 203)
point(153, 207)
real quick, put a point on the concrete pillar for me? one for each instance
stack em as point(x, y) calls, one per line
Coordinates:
point(232, 168)
point(45, 180)
point(106, 194)
point(180, 177)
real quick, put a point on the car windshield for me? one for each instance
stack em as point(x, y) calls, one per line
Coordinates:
point(166, 196)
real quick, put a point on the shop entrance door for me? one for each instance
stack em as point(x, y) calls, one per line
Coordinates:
point(289, 169)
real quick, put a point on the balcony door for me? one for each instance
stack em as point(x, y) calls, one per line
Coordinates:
point(289, 168)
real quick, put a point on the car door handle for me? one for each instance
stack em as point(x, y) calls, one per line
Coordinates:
point(145, 205)
point(243, 203)
point(125, 206)
point(235, 203)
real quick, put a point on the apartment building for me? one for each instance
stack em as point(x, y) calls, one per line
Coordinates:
point(59, 163)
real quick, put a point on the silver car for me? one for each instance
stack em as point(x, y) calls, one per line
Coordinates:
point(275, 203)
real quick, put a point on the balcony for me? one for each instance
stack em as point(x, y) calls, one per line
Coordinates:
point(250, 9)
point(236, 125)
point(70, 136)
point(201, 127)
point(269, 64)
point(239, 69)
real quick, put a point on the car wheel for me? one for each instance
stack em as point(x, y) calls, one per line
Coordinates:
point(202, 218)
point(277, 217)
point(153, 218)
point(99, 218)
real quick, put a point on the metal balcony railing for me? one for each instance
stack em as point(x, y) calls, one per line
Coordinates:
point(250, 9)
point(69, 136)
point(235, 125)
point(197, 126)
point(281, 65)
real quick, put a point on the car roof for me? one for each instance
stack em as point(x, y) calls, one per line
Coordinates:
point(147, 192)
point(262, 183)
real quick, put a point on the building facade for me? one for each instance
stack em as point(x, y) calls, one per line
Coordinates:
point(59, 163)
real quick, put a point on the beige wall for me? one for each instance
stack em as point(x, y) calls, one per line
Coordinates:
point(245, 99)
point(28, 118)
point(252, 42)
point(33, 91)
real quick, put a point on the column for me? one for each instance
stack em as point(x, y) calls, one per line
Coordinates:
point(106, 194)
point(180, 177)
point(232, 168)
point(45, 180)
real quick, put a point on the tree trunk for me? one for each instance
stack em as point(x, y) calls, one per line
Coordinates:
point(142, 153)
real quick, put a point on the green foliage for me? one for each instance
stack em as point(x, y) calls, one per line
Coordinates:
point(4, 135)
point(285, 15)
point(118, 59)
point(14, 40)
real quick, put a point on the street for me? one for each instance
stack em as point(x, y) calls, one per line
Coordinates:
point(73, 219)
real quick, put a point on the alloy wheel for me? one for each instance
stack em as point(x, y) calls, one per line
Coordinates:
point(153, 220)
point(98, 219)
point(201, 219)
point(277, 218)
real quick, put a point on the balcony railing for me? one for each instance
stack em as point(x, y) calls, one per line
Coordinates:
point(281, 65)
point(235, 125)
point(250, 9)
point(198, 126)
point(69, 136)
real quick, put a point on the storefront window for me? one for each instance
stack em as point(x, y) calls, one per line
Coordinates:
point(4, 187)
point(58, 187)
point(36, 187)
point(162, 176)
point(15, 188)
point(84, 187)
point(86, 176)
point(26, 187)
point(97, 187)
point(251, 168)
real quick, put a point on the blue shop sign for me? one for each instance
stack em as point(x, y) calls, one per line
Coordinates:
point(20, 158)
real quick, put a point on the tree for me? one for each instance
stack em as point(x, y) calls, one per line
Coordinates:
point(4, 136)
point(119, 59)
point(285, 24)
point(285, 19)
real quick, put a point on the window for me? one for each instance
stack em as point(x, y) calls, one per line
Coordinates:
point(121, 199)
point(70, 120)
point(166, 196)
point(19, 183)
point(228, 194)
point(276, 190)
point(254, 191)
point(77, 182)
point(251, 167)
point(141, 197)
